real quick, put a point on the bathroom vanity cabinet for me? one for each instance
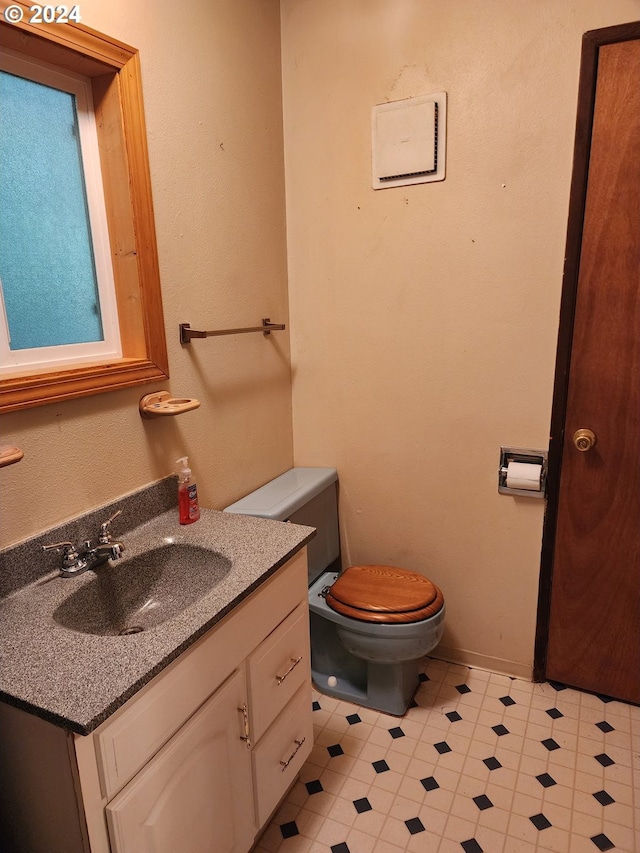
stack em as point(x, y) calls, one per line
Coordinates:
point(197, 760)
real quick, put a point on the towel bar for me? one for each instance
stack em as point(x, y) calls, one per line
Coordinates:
point(187, 333)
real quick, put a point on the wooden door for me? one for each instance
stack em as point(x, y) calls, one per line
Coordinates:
point(594, 618)
point(196, 795)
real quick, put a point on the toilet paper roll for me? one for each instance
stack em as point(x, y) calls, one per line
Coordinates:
point(524, 475)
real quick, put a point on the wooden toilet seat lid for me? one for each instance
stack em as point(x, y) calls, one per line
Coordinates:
point(384, 594)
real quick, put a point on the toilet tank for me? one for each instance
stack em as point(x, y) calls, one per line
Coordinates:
point(302, 496)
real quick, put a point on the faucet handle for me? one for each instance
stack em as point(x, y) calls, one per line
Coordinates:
point(68, 548)
point(105, 536)
point(69, 551)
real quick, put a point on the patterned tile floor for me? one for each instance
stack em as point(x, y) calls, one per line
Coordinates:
point(481, 762)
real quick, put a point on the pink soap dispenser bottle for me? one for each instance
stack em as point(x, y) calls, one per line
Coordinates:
point(188, 507)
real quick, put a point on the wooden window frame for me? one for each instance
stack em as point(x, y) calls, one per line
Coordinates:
point(114, 71)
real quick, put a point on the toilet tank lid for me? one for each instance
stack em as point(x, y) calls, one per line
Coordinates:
point(281, 497)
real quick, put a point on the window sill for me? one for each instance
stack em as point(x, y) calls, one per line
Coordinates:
point(79, 381)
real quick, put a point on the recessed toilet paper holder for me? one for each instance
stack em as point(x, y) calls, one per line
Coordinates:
point(534, 475)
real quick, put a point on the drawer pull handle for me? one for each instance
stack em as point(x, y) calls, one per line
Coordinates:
point(286, 763)
point(294, 664)
point(246, 737)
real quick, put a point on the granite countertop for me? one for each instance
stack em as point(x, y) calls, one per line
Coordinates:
point(76, 680)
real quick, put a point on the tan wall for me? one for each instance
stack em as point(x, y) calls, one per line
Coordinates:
point(211, 80)
point(425, 318)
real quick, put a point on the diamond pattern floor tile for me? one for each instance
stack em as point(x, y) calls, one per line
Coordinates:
point(480, 763)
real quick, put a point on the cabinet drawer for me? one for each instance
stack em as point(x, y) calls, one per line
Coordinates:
point(278, 757)
point(278, 668)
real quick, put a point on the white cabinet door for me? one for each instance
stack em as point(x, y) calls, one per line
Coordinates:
point(195, 796)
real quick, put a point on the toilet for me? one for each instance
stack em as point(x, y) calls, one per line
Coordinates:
point(370, 624)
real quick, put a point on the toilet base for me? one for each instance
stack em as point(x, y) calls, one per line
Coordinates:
point(384, 686)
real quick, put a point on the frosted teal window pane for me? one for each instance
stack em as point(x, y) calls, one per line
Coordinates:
point(46, 255)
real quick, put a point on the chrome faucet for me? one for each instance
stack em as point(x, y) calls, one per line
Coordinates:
point(76, 559)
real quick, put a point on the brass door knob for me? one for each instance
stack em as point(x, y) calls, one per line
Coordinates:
point(584, 439)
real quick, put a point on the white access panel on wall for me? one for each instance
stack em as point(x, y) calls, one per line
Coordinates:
point(408, 141)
